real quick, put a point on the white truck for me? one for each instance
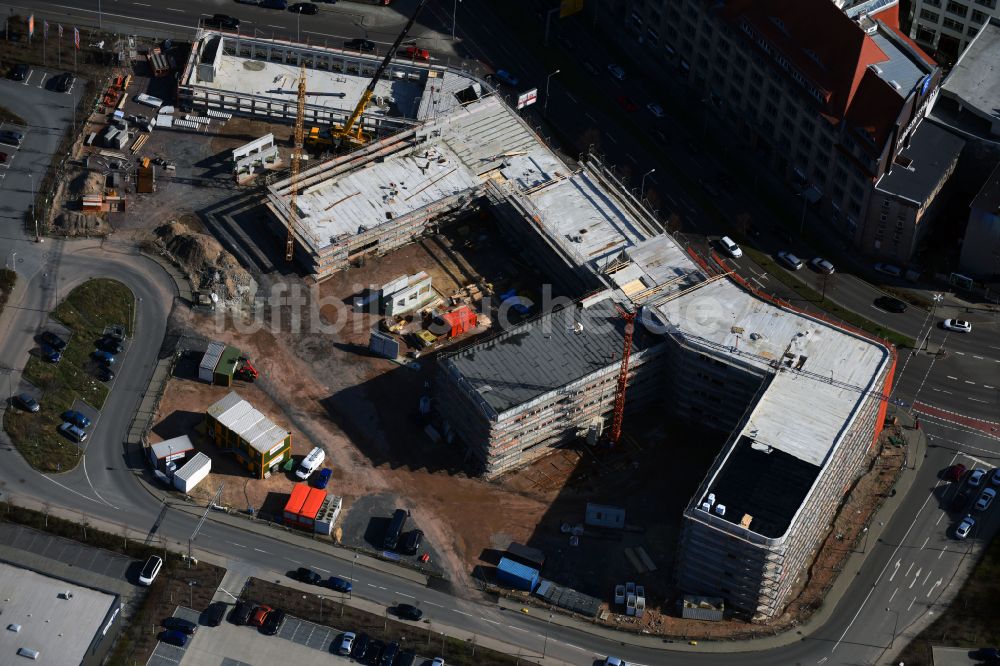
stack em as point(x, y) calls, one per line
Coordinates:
point(310, 463)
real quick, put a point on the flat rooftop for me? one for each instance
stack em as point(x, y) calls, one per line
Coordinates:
point(60, 629)
point(974, 81)
point(931, 151)
point(549, 352)
point(242, 418)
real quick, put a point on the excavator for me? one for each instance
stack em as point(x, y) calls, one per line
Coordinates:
point(351, 130)
point(245, 370)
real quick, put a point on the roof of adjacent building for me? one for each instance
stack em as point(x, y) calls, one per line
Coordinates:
point(540, 356)
point(171, 446)
point(212, 355)
point(61, 629)
point(228, 360)
point(192, 466)
point(974, 82)
point(239, 416)
point(921, 166)
point(988, 198)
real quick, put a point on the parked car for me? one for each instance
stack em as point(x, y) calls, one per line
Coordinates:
point(222, 21)
point(64, 82)
point(616, 71)
point(116, 333)
point(888, 269)
point(506, 77)
point(72, 432)
point(76, 418)
point(273, 621)
point(985, 499)
point(260, 615)
point(965, 527)
point(408, 612)
point(976, 478)
point(241, 613)
point(51, 355)
point(214, 613)
point(323, 478)
point(389, 654)
point(987, 654)
point(304, 8)
point(346, 643)
point(274, 4)
point(307, 575)
point(655, 109)
point(591, 68)
point(20, 72)
point(955, 472)
point(438, 661)
point(360, 44)
point(360, 647)
point(174, 638)
point(961, 499)
point(53, 340)
point(414, 53)
point(789, 260)
point(406, 658)
point(105, 374)
point(180, 624)
point(995, 478)
point(150, 569)
point(782, 233)
point(374, 652)
point(10, 137)
point(411, 544)
point(615, 661)
point(102, 356)
point(339, 584)
point(26, 402)
point(110, 345)
point(959, 325)
point(730, 247)
point(627, 103)
point(890, 304)
point(821, 265)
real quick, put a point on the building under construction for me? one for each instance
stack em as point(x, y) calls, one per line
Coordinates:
point(655, 327)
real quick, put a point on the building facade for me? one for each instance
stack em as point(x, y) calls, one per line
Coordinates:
point(259, 445)
point(981, 245)
point(828, 110)
point(945, 27)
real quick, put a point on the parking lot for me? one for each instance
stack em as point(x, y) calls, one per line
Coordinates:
point(304, 643)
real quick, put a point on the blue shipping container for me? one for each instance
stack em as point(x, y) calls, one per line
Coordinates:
point(517, 575)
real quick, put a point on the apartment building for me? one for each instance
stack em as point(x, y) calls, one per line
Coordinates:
point(945, 27)
point(826, 109)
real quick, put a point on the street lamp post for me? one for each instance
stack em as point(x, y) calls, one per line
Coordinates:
point(895, 625)
point(642, 188)
point(454, 18)
point(545, 106)
point(298, 23)
point(545, 645)
point(100, 24)
point(353, 562)
point(34, 212)
point(937, 298)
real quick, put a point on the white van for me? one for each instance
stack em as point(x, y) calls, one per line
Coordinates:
point(310, 463)
point(730, 247)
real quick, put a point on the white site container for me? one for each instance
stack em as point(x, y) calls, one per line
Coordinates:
point(192, 473)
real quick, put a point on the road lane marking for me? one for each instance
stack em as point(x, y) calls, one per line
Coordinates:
point(960, 353)
point(238, 545)
point(936, 583)
point(612, 139)
point(943, 551)
point(968, 382)
point(279, 27)
point(978, 358)
point(895, 570)
point(143, 4)
point(893, 594)
point(911, 604)
point(291, 560)
point(822, 660)
point(321, 569)
point(909, 569)
point(950, 377)
point(925, 543)
point(590, 118)
point(926, 578)
point(460, 612)
point(916, 577)
point(572, 98)
point(404, 594)
point(985, 402)
point(938, 522)
point(261, 551)
point(632, 157)
point(171, 9)
point(486, 619)
point(431, 603)
point(987, 386)
point(510, 626)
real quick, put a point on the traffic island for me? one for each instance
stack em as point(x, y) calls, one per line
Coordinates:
point(86, 314)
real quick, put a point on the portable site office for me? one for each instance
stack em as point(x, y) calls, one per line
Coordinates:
point(219, 364)
point(260, 445)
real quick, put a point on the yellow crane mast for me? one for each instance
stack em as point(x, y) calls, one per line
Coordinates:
point(293, 212)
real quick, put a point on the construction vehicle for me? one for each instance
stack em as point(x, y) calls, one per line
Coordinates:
point(245, 370)
point(351, 130)
point(293, 212)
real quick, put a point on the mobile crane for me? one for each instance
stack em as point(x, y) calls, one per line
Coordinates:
point(351, 130)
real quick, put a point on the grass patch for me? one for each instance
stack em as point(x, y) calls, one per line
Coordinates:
point(972, 620)
point(8, 279)
point(86, 311)
point(6, 115)
point(815, 298)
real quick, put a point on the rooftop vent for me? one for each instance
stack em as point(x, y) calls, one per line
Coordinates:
point(578, 328)
point(14, 627)
point(895, 85)
point(66, 595)
point(878, 70)
point(721, 509)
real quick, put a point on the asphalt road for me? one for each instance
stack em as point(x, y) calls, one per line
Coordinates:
point(860, 627)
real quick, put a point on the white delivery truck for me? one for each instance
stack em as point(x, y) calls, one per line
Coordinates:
point(310, 463)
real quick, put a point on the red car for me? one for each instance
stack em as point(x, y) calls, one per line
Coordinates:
point(260, 615)
point(955, 472)
point(413, 53)
point(627, 104)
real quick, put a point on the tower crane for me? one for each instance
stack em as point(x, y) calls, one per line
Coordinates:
point(619, 410)
point(351, 130)
point(293, 213)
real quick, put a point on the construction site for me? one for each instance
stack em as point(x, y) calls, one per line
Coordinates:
point(442, 221)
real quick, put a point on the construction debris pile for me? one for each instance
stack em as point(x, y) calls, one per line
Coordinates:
point(209, 266)
point(90, 188)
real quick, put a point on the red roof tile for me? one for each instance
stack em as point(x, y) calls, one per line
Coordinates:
point(890, 17)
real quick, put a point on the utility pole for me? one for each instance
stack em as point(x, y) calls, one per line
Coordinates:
point(937, 298)
point(197, 528)
point(545, 106)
